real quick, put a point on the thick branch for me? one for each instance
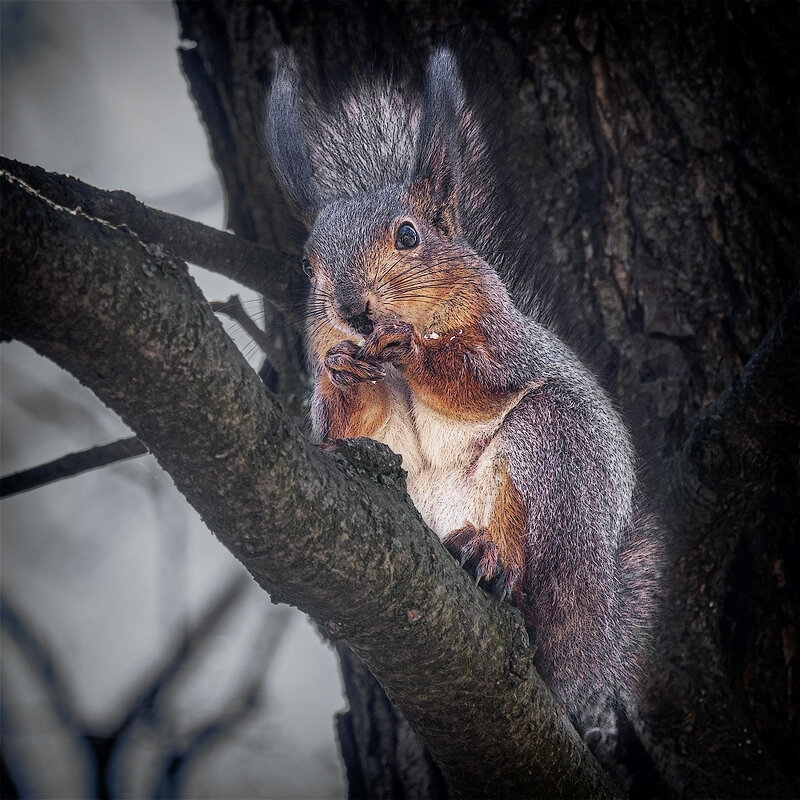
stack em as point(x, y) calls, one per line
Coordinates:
point(311, 527)
point(275, 275)
point(71, 464)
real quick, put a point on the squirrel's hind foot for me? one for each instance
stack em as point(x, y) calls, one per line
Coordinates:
point(478, 555)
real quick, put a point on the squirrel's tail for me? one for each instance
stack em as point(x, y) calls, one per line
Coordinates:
point(641, 556)
point(603, 715)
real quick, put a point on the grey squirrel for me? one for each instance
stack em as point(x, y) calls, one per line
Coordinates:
point(516, 458)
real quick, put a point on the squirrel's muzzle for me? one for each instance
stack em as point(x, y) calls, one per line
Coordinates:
point(361, 322)
point(355, 311)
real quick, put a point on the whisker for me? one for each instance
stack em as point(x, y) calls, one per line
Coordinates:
point(389, 268)
point(427, 299)
point(425, 267)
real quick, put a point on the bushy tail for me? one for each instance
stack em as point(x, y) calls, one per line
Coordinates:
point(641, 559)
point(602, 718)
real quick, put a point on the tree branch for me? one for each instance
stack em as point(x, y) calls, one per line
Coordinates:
point(321, 531)
point(71, 464)
point(234, 309)
point(249, 696)
point(104, 745)
point(733, 442)
point(275, 275)
point(44, 666)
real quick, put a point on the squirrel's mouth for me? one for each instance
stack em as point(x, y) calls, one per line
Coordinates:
point(359, 316)
point(361, 323)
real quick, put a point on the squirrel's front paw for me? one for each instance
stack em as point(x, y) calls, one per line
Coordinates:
point(477, 553)
point(391, 342)
point(346, 365)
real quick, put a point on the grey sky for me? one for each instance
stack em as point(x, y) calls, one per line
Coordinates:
point(111, 564)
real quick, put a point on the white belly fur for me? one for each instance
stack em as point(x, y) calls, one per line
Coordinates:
point(452, 465)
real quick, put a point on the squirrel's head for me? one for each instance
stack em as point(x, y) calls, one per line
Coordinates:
point(394, 251)
point(386, 255)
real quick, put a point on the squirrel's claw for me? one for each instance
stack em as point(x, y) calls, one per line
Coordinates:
point(346, 366)
point(506, 583)
point(462, 543)
point(479, 556)
point(488, 564)
point(391, 341)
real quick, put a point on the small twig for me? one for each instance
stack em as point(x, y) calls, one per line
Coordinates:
point(43, 665)
point(275, 275)
point(8, 789)
point(72, 464)
point(176, 765)
point(105, 744)
point(233, 308)
point(152, 696)
point(279, 372)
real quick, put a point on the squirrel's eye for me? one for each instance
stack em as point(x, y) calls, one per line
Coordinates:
point(407, 237)
point(307, 268)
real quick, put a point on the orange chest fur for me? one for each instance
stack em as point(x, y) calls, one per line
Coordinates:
point(455, 467)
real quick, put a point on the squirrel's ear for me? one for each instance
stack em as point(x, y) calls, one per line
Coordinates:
point(285, 138)
point(435, 175)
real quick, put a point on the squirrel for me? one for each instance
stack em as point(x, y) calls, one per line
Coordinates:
point(516, 458)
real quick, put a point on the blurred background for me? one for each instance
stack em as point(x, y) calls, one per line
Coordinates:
point(137, 658)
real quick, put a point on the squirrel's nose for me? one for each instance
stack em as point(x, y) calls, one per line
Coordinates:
point(356, 313)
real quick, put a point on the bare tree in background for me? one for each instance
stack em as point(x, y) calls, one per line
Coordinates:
point(657, 149)
point(103, 749)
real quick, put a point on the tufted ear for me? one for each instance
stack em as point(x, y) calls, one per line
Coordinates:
point(435, 175)
point(285, 136)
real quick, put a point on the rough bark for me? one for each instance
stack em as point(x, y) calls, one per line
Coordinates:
point(656, 145)
point(383, 756)
point(729, 464)
point(273, 274)
point(699, 755)
point(332, 533)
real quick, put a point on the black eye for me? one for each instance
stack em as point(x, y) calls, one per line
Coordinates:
point(307, 268)
point(407, 237)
